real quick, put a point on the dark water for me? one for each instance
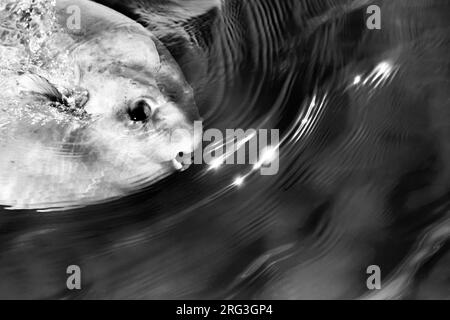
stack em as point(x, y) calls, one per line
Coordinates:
point(364, 168)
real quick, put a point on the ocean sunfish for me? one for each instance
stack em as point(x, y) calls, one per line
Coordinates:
point(104, 111)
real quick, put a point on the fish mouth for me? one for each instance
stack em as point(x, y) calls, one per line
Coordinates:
point(182, 161)
point(179, 165)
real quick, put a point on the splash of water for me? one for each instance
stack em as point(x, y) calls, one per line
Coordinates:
point(29, 38)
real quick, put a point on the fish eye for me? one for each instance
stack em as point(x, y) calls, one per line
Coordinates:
point(139, 111)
